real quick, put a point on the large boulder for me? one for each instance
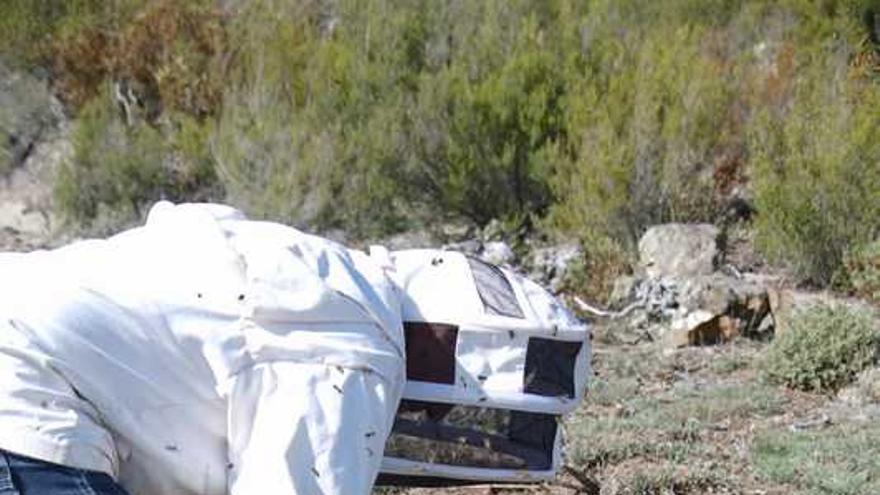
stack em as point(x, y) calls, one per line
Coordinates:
point(683, 300)
point(34, 141)
point(718, 308)
point(746, 299)
point(679, 250)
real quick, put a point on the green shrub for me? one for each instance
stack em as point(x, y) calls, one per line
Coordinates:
point(842, 459)
point(663, 121)
point(30, 28)
point(402, 112)
point(372, 116)
point(167, 56)
point(308, 127)
point(862, 269)
point(592, 276)
point(816, 165)
point(486, 121)
point(117, 171)
point(823, 348)
point(647, 112)
point(26, 26)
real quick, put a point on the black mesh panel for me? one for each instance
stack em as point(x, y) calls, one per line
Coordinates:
point(550, 367)
point(430, 351)
point(473, 437)
point(495, 290)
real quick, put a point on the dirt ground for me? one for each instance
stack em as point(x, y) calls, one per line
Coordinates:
point(701, 421)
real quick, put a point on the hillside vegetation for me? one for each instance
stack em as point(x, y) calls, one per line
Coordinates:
point(588, 119)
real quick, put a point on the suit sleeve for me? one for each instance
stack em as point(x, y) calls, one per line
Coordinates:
point(297, 428)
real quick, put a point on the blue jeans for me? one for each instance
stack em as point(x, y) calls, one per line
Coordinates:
point(21, 475)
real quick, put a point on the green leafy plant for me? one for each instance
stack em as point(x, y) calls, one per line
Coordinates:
point(592, 275)
point(117, 170)
point(28, 28)
point(816, 166)
point(647, 114)
point(862, 271)
point(597, 118)
point(823, 348)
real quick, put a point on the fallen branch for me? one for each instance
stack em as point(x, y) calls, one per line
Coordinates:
point(588, 484)
point(604, 313)
point(819, 422)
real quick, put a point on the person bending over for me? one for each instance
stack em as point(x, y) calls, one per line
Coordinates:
point(202, 353)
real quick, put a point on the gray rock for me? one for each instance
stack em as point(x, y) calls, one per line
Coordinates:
point(497, 253)
point(493, 231)
point(34, 142)
point(550, 266)
point(746, 299)
point(659, 297)
point(690, 329)
point(28, 112)
point(679, 250)
point(414, 239)
point(702, 310)
point(866, 389)
point(455, 232)
point(471, 247)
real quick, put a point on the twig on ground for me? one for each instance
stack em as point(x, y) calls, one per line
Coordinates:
point(821, 421)
point(588, 484)
point(604, 313)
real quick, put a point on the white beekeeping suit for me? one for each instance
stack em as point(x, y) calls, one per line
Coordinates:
point(202, 353)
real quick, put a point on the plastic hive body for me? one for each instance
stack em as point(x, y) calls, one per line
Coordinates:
point(493, 362)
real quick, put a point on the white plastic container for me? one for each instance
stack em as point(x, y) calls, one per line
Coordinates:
point(493, 362)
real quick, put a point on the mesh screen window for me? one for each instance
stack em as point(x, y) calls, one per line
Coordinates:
point(472, 436)
point(495, 290)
